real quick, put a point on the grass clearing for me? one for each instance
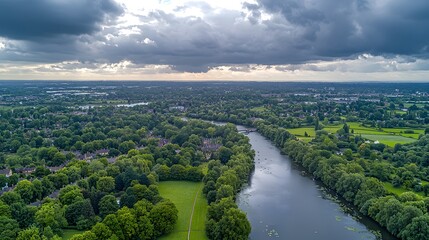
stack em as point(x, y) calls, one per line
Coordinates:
point(300, 132)
point(259, 109)
point(389, 140)
point(388, 136)
point(182, 194)
point(69, 233)
point(399, 190)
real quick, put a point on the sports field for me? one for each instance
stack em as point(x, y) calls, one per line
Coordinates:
point(184, 194)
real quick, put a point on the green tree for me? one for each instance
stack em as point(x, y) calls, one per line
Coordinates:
point(106, 184)
point(233, 226)
point(78, 210)
point(8, 228)
point(108, 205)
point(164, 217)
point(31, 233)
point(25, 189)
point(101, 231)
point(418, 229)
point(51, 215)
point(128, 222)
point(111, 221)
point(88, 235)
point(23, 214)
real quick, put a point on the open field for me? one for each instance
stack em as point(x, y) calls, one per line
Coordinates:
point(259, 109)
point(182, 194)
point(388, 136)
point(398, 191)
point(389, 140)
point(69, 233)
point(300, 132)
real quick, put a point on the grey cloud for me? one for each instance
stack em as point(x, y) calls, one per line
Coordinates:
point(297, 33)
point(24, 19)
point(343, 28)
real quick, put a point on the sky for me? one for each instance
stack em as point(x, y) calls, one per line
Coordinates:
point(262, 40)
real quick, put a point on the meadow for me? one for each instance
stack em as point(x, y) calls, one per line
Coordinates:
point(388, 136)
point(69, 233)
point(399, 190)
point(183, 195)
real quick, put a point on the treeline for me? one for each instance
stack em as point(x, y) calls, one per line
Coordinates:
point(224, 179)
point(405, 216)
point(83, 194)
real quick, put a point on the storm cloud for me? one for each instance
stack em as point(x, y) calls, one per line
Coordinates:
point(199, 36)
point(24, 19)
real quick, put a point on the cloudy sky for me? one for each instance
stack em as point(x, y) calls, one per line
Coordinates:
point(318, 40)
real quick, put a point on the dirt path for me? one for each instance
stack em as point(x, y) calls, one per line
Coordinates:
point(192, 214)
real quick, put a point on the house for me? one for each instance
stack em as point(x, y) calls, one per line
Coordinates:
point(102, 152)
point(7, 172)
point(209, 145)
point(162, 142)
point(54, 169)
point(26, 170)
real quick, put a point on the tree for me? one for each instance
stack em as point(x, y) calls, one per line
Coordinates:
point(3, 180)
point(70, 194)
point(31, 233)
point(418, 229)
point(25, 189)
point(218, 209)
point(8, 228)
point(400, 220)
point(10, 198)
point(78, 210)
point(224, 154)
point(108, 205)
point(23, 214)
point(128, 222)
point(51, 215)
point(111, 221)
point(145, 229)
point(101, 231)
point(233, 226)
point(106, 184)
point(88, 235)
point(225, 191)
point(164, 217)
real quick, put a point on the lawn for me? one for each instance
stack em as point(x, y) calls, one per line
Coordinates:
point(259, 109)
point(389, 140)
point(388, 136)
point(398, 191)
point(69, 233)
point(300, 132)
point(182, 194)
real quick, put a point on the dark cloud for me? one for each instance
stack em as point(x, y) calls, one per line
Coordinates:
point(26, 20)
point(343, 28)
point(296, 33)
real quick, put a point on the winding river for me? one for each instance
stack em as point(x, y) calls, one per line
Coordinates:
point(282, 202)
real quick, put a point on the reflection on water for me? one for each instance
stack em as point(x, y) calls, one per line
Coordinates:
point(281, 202)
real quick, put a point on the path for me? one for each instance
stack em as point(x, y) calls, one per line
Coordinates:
point(192, 214)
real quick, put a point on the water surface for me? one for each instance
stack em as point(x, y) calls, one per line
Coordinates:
point(281, 202)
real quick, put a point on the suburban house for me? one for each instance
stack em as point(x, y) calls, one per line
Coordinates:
point(7, 172)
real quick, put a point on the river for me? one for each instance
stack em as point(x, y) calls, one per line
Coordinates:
point(282, 202)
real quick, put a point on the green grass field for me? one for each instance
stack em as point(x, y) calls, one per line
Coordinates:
point(69, 233)
point(259, 109)
point(398, 191)
point(389, 140)
point(388, 136)
point(182, 194)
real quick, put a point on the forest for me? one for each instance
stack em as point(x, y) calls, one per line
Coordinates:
point(92, 163)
